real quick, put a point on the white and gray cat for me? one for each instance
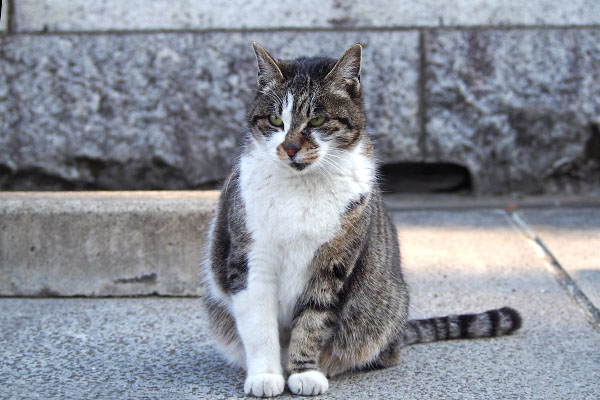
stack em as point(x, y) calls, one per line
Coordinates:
point(303, 276)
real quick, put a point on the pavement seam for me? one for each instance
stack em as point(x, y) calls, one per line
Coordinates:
point(591, 312)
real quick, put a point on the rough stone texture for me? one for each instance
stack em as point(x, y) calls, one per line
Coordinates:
point(573, 237)
point(455, 261)
point(4, 17)
point(103, 244)
point(519, 108)
point(146, 111)
point(82, 15)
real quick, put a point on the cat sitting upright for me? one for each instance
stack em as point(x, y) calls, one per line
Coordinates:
point(303, 276)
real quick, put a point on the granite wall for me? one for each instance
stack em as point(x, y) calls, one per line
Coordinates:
point(152, 95)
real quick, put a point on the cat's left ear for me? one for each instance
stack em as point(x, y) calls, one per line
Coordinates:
point(346, 71)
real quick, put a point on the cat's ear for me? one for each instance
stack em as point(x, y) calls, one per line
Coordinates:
point(346, 71)
point(268, 70)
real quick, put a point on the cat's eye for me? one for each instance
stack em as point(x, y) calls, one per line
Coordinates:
point(275, 120)
point(317, 121)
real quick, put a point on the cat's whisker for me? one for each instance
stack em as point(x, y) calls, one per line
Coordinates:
point(276, 100)
point(326, 175)
point(329, 177)
point(330, 154)
point(271, 93)
point(337, 161)
point(332, 164)
point(334, 150)
point(340, 171)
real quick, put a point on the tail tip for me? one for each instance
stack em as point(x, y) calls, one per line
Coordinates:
point(515, 317)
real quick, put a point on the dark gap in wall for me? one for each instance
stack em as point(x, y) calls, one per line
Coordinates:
point(209, 185)
point(4, 171)
point(592, 146)
point(102, 176)
point(10, 15)
point(404, 177)
point(34, 179)
point(422, 177)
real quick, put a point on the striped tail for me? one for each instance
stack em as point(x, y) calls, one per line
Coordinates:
point(503, 321)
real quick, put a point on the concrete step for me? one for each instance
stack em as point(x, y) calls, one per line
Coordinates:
point(102, 243)
point(142, 243)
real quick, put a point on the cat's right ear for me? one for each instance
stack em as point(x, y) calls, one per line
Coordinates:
point(268, 70)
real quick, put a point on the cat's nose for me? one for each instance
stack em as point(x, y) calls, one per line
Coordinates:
point(291, 148)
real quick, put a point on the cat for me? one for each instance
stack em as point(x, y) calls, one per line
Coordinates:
point(303, 275)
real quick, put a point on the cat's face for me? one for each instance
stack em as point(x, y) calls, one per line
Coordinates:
point(307, 110)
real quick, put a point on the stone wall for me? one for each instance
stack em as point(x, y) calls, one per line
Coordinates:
point(133, 94)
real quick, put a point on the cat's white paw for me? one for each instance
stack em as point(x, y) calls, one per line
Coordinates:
point(308, 383)
point(264, 385)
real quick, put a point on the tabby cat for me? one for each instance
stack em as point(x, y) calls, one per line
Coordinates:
point(303, 275)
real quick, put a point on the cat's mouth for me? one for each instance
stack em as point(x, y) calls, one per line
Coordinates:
point(298, 165)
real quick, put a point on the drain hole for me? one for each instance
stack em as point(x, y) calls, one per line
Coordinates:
point(421, 177)
point(592, 146)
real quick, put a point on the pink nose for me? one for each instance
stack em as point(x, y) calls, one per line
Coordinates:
point(291, 148)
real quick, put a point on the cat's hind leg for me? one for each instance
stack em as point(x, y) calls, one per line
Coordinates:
point(223, 332)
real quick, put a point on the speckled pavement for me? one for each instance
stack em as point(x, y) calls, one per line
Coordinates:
point(455, 260)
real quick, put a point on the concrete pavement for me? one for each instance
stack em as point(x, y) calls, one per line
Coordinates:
point(459, 255)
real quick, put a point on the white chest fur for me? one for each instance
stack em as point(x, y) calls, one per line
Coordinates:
point(290, 215)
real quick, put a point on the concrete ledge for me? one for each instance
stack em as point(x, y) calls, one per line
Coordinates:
point(140, 243)
point(102, 244)
point(102, 15)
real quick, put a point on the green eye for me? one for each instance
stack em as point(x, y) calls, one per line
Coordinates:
point(275, 120)
point(317, 121)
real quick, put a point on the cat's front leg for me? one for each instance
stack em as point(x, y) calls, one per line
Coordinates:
point(317, 313)
point(255, 310)
point(311, 330)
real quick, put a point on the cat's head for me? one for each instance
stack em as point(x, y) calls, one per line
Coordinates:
point(307, 109)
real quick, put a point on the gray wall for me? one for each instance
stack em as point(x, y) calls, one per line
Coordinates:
point(144, 95)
